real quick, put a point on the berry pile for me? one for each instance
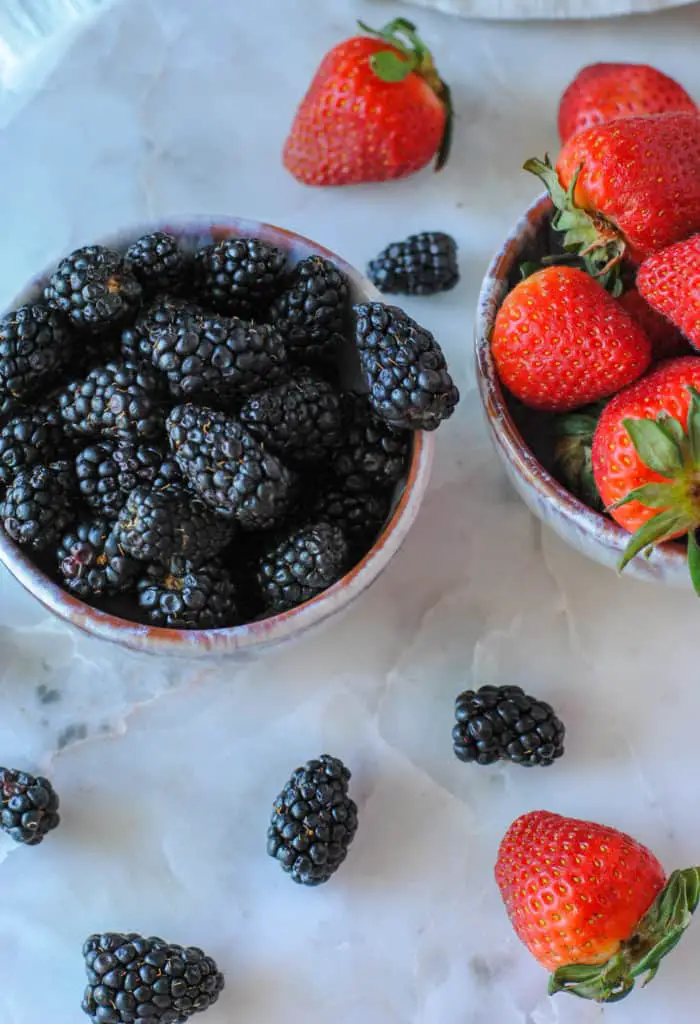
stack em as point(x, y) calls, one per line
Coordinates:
point(174, 444)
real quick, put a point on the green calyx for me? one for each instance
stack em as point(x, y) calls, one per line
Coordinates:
point(413, 57)
point(589, 235)
point(659, 931)
point(573, 441)
point(674, 453)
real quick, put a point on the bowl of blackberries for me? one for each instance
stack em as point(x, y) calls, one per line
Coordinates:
point(212, 435)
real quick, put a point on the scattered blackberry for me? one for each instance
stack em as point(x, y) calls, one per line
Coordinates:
point(136, 345)
point(300, 420)
point(405, 369)
point(29, 438)
point(371, 455)
point(503, 723)
point(421, 265)
point(132, 980)
point(39, 504)
point(230, 470)
point(157, 261)
point(313, 822)
point(94, 289)
point(239, 275)
point(219, 356)
point(311, 314)
point(360, 516)
point(168, 473)
point(28, 806)
point(108, 471)
point(301, 564)
point(35, 345)
point(184, 596)
point(91, 562)
point(157, 525)
point(118, 400)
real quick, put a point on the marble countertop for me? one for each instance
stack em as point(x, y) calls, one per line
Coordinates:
point(167, 771)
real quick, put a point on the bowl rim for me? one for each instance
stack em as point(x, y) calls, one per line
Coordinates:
point(260, 633)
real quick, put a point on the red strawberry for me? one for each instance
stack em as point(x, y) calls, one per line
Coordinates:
point(591, 903)
point(666, 340)
point(560, 341)
point(604, 92)
point(375, 110)
point(670, 282)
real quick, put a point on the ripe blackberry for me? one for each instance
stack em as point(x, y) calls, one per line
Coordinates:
point(35, 345)
point(118, 400)
point(157, 261)
point(498, 723)
point(132, 980)
point(183, 596)
point(301, 564)
point(405, 369)
point(420, 265)
point(229, 469)
point(157, 525)
point(301, 420)
point(136, 344)
point(313, 822)
point(91, 562)
point(371, 455)
point(40, 504)
point(28, 806)
point(311, 313)
point(29, 438)
point(359, 516)
point(108, 471)
point(239, 275)
point(94, 289)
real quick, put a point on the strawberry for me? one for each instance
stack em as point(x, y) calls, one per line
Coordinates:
point(561, 341)
point(375, 110)
point(591, 903)
point(666, 340)
point(670, 282)
point(604, 92)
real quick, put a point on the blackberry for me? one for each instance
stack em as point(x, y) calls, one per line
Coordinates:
point(35, 345)
point(108, 471)
point(300, 420)
point(498, 723)
point(94, 289)
point(28, 806)
point(157, 261)
point(136, 345)
point(313, 822)
point(239, 275)
point(184, 596)
point(229, 469)
point(409, 383)
point(157, 525)
point(311, 313)
point(360, 516)
point(420, 265)
point(371, 455)
point(301, 564)
point(133, 980)
point(29, 438)
point(118, 400)
point(218, 356)
point(91, 562)
point(39, 504)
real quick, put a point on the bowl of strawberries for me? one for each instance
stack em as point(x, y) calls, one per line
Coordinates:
point(587, 337)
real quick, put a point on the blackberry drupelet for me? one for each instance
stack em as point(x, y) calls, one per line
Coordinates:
point(301, 564)
point(371, 455)
point(29, 438)
point(157, 262)
point(133, 980)
point(312, 312)
point(136, 344)
point(183, 596)
point(40, 504)
point(28, 806)
point(313, 822)
point(239, 275)
point(91, 563)
point(118, 400)
point(156, 525)
point(359, 516)
point(301, 420)
point(94, 289)
point(229, 469)
point(108, 471)
point(498, 723)
point(35, 345)
point(405, 369)
point(420, 265)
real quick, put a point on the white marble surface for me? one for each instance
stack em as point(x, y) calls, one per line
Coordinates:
point(167, 771)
